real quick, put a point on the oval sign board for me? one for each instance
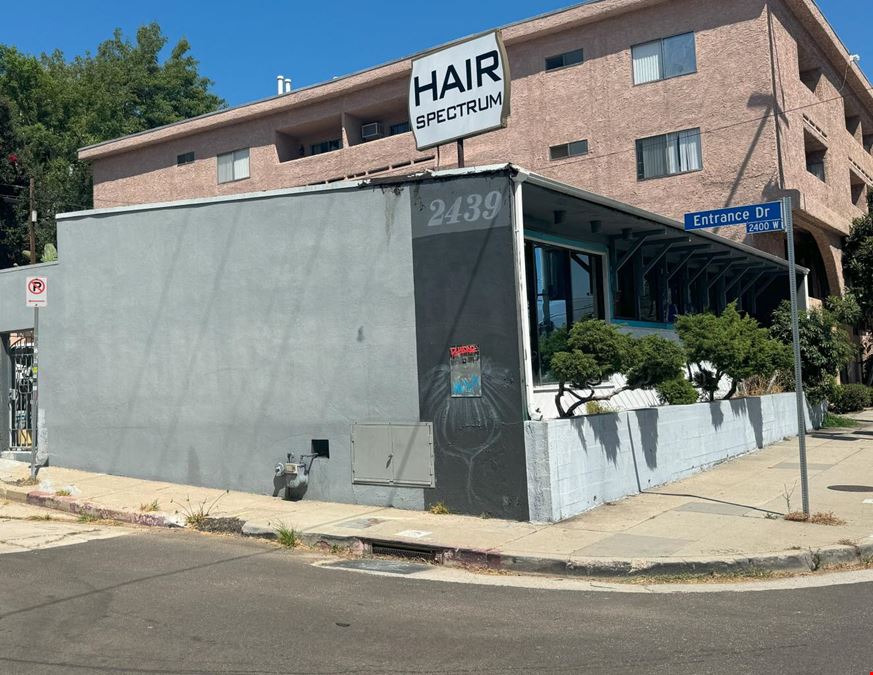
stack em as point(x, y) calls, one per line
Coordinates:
point(459, 91)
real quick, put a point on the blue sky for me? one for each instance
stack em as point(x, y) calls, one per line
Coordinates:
point(242, 46)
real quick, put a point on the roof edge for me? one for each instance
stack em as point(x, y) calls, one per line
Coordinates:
point(342, 84)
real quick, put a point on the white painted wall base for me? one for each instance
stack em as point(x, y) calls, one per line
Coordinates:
point(576, 464)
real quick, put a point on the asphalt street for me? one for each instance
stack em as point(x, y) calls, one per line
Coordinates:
point(182, 602)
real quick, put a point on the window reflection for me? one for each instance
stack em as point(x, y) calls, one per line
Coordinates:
point(564, 286)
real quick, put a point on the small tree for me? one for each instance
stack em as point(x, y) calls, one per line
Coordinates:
point(858, 274)
point(824, 346)
point(730, 345)
point(596, 350)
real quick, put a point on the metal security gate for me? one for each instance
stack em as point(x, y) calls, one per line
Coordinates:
point(21, 391)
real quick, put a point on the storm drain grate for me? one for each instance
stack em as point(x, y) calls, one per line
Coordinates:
point(405, 551)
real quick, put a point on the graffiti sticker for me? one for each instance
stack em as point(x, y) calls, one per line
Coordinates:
point(466, 372)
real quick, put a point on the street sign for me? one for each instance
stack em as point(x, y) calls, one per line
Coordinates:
point(37, 292)
point(757, 218)
point(459, 91)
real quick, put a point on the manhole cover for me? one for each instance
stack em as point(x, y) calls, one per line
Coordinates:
point(383, 566)
point(851, 488)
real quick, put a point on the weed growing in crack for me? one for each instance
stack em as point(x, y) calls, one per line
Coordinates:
point(287, 536)
point(150, 507)
point(786, 495)
point(87, 518)
point(196, 513)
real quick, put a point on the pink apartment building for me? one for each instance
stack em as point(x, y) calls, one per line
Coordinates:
point(668, 105)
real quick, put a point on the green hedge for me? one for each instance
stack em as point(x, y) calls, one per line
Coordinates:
point(849, 398)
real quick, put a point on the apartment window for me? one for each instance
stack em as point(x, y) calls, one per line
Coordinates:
point(859, 190)
point(663, 59)
point(186, 158)
point(399, 128)
point(816, 152)
point(563, 60)
point(669, 154)
point(233, 166)
point(853, 126)
point(325, 146)
point(571, 149)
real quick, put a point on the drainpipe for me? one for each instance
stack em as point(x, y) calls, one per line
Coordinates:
point(521, 305)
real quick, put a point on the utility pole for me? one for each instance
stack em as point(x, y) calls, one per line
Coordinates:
point(31, 226)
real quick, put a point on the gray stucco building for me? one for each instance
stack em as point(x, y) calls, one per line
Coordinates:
point(391, 327)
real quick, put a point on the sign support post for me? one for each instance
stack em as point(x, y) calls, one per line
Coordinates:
point(788, 217)
point(36, 296)
point(35, 400)
point(761, 218)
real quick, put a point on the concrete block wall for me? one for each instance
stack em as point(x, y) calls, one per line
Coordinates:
point(577, 464)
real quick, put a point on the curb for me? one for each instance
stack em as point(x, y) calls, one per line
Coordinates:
point(70, 505)
point(794, 561)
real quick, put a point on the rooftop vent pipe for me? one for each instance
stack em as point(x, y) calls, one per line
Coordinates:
point(283, 85)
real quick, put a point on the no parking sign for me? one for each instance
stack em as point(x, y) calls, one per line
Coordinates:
point(37, 292)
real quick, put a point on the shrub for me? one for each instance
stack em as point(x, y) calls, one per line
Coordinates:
point(596, 350)
point(825, 347)
point(596, 408)
point(678, 391)
point(849, 398)
point(729, 345)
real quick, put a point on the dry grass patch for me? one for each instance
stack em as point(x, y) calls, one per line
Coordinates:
point(150, 507)
point(63, 493)
point(439, 509)
point(826, 518)
point(820, 518)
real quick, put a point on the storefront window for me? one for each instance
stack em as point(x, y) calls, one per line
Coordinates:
point(564, 286)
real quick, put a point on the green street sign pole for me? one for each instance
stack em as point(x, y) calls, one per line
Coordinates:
point(788, 218)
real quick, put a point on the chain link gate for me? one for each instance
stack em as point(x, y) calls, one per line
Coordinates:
point(21, 391)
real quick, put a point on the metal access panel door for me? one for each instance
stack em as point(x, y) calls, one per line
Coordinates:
point(393, 454)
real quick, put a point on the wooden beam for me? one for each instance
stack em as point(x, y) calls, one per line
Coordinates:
point(750, 284)
point(630, 253)
point(660, 254)
point(702, 270)
point(694, 251)
point(720, 276)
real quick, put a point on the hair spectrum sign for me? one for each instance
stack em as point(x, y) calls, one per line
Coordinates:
point(459, 91)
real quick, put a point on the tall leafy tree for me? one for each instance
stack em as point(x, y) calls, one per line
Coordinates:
point(51, 106)
point(858, 273)
point(825, 347)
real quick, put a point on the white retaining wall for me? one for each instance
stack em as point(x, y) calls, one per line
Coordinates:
point(575, 464)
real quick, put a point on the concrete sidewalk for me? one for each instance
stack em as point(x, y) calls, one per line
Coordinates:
point(726, 519)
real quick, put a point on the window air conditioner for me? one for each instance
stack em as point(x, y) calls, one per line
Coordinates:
point(371, 131)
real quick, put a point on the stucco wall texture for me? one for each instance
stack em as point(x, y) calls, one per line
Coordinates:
point(739, 83)
point(198, 344)
point(577, 464)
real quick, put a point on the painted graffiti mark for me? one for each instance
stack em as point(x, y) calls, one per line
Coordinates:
point(465, 371)
point(467, 386)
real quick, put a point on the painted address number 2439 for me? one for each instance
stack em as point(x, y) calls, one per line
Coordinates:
point(471, 208)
